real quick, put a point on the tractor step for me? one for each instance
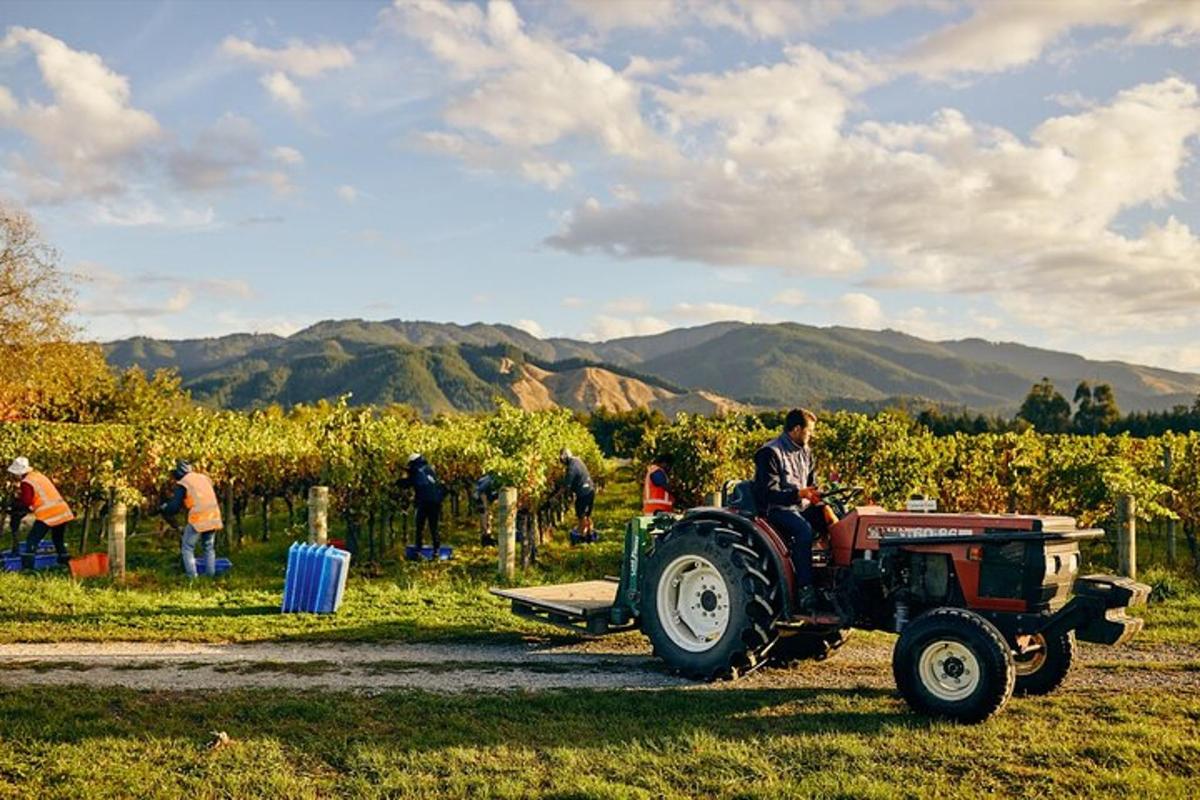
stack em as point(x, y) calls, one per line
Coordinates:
point(585, 607)
point(808, 622)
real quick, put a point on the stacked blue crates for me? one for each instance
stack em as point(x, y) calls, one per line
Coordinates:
point(43, 559)
point(316, 579)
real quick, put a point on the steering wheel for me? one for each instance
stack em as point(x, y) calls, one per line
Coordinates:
point(838, 498)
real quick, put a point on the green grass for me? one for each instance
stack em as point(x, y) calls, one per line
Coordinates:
point(69, 743)
point(390, 600)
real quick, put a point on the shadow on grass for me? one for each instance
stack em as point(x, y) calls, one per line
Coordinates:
point(316, 722)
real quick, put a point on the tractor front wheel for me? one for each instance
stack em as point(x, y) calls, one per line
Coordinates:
point(709, 605)
point(1045, 667)
point(953, 663)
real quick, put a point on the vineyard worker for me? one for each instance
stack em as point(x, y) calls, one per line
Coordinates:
point(578, 481)
point(194, 491)
point(656, 488)
point(430, 494)
point(783, 488)
point(37, 494)
point(485, 492)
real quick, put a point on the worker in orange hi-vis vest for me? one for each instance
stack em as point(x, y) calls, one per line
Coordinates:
point(37, 495)
point(194, 492)
point(656, 487)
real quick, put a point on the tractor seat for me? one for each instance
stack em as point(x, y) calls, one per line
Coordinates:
point(739, 496)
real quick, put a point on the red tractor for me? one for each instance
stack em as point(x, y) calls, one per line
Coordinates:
point(985, 604)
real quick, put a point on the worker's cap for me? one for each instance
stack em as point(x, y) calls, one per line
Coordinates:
point(182, 467)
point(413, 457)
point(20, 466)
point(564, 454)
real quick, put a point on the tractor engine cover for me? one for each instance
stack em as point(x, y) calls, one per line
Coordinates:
point(999, 562)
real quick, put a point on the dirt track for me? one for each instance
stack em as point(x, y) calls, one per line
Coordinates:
point(622, 663)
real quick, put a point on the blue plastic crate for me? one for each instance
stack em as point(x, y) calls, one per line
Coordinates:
point(223, 566)
point(413, 553)
point(44, 546)
point(40, 561)
point(315, 581)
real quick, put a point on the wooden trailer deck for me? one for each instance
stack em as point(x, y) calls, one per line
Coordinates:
point(585, 606)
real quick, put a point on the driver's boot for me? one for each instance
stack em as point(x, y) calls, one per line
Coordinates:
point(806, 600)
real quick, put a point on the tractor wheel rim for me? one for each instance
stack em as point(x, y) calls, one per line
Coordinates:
point(693, 603)
point(949, 670)
point(1029, 663)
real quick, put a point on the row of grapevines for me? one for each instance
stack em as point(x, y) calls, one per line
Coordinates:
point(360, 453)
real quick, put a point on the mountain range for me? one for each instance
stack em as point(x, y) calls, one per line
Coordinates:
point(438, 367)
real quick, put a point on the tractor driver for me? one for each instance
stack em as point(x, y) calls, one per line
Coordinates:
point(784, 478)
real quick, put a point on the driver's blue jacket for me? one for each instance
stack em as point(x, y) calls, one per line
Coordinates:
point(781, 468)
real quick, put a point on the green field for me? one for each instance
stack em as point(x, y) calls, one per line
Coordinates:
point(723, 743)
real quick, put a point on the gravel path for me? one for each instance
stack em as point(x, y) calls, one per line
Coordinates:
point(621, 663)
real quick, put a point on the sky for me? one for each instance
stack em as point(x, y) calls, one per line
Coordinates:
point(1016, 171)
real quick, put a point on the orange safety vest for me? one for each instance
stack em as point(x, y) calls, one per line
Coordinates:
point(48, 505)
point(655, 498)
point(204, 512)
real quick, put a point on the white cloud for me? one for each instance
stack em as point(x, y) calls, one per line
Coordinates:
point(234, 322)
point(89, 137)
point(759, 19)
point(715, 312)
point(573, 302)
point(524, 93)
point(627, 305)
point(283, 90)
point(531, 327)
point(611, 14)
point(347, 194)
point(605, 327)
point(948, 205)
point(296, 60)
point(1004, 35)
point(287, 155)
point(140, 212)
point(104, 293)
point(860, 310)
point(790, 297)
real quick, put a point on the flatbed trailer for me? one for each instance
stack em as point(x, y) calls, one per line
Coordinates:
point(586, 606)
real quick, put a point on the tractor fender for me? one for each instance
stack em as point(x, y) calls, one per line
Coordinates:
point(767, 539)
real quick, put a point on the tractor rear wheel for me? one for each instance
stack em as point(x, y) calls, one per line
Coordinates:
point(1045, 668)
point(953, 663)
point(710, 603)
point(808, 646)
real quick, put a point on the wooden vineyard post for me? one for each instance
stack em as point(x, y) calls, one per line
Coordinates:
point(1127, 536)
point(116, 542)
point(227, 530)
point(507, 526)
point(1170, 522)
point(485, 518)
point(318, 515)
